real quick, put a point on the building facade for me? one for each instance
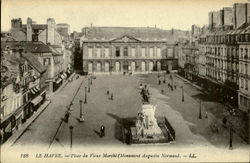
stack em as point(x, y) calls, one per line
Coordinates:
point(21, 87)
point(123, 50)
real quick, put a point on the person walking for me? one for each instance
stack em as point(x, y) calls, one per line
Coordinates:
point(102, 131)
point(66, 116)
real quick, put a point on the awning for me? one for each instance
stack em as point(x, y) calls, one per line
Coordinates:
point(58, 80)
point(35, 90)
point(32, 91)
point(37, 100)
point(37, 87)
point(62, 76)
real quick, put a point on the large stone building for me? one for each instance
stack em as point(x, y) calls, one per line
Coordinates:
point(127, 49)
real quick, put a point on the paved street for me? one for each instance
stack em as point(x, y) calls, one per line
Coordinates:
point(190, 131)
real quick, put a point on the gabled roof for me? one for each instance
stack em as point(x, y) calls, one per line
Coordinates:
point(140, 33)
point(34, 62)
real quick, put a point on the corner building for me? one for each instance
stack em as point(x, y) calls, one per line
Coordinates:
point(126, 49)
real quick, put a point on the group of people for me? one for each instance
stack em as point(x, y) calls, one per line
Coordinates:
point(144, 93)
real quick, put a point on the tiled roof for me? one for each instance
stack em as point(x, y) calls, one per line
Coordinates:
point(34, 62)
point(29, 46)
point(140, 33)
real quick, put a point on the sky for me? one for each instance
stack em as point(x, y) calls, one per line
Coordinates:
point(165, 14)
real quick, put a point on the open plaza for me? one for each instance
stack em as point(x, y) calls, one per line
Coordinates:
point(49, 131)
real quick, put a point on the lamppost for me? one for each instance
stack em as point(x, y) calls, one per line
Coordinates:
point(200, 117)
point(91, 80)
point(81, 115)
point(88, 85)
point(85, 100)
point(231, 137)
point(182, 93)
point(71, 133)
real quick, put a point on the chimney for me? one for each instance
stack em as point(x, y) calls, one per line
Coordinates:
point(51, 31)
point(29, 29)
point(16, 23)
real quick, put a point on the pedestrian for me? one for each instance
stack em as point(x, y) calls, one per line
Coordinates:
point(111, 96)
point(141, 87)
point(162, 91)
point(66, 117)
point(206, 115)
point(102, 131)
point(224, 120)
point(70, 106)
point(107, 92)
point(164, 81)
point(159, 82)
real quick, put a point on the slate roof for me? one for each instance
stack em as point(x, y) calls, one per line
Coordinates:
point(140, 33)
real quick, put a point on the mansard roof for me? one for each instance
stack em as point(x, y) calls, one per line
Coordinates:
point(145, 34)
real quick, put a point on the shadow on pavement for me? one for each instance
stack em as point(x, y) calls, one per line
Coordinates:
point(203, 97)
point(122, 125)
point(97, 132)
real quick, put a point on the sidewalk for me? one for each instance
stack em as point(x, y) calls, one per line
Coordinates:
point(196, 86)
point(241, 128)
point(24, 126)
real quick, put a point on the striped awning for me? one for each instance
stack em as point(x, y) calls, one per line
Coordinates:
point(32, 91)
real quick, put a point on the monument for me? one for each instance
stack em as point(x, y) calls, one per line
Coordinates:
point(148, 128)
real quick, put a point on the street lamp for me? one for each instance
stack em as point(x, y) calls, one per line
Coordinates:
point(88, 85)
point(71, 133)
point(85, 100)
point(182, 93)
point(231, 137)
point(200, 117)
point(81, 115)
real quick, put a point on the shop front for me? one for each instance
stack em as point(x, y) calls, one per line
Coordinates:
point(36, 102)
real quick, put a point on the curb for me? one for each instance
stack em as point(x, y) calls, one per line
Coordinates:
point(24, 126)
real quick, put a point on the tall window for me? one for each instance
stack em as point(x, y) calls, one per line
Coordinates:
point(117, 51)
point(143, 52)
point(125, 51)
point(151, 52)
point(158, 52)
point(46, 61)
point(98, 52)
point(246, 84)
point(246, 67)
point(35, 37)
point(90, 52)
point(132, 52)
point(106, 52)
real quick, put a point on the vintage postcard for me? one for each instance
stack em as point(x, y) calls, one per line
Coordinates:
point(125, 81)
